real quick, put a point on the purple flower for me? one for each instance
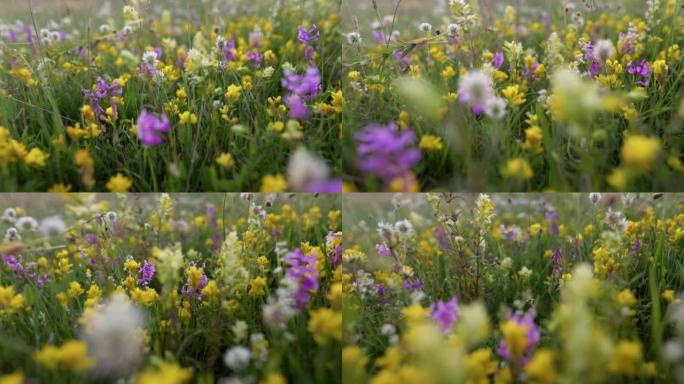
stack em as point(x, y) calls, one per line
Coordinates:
point(302, 270)
point(229, 50)
point(589, 51)
point(412, 284)
point(305, 86)
point(382, 250)
point(325, 186)
point(445, 313)
point(557, 264)
point(102, 90)
point(302, 88)
point(640, 69)
point(297, 108)
point(255, 57)
point(386, 151)
point(150, 126)
point(146, 272)
point(594, 68)
point(308, 36)
point(498, 60)
point(526, 320)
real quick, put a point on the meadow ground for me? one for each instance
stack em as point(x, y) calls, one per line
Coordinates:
point(170, 288)
point(513, 95)
point(170, 95)
point(513, 288)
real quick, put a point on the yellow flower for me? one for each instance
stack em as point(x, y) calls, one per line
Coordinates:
point(448, 73)
point(640, 151)
point(36, 158)
point(617, 179)
point(72, 355)
point(119, 183)
point(75, 289)
point(12, 378)
point(210, 290)
point(10, 302)
point(168, 373)
point(626, 298)
point(513, 95)
point(326, 325)
point(533, 139)
point(479, 365)
point(274, 378)
point(660, 68)
point(273, 183)
point(540, 368)
point(353, 364)
point(187, 118)
point(145, 297)
point(60, 188)
point(518, 168)
point(515, 336)
point(431, 143)
point(668, 295)
point(233, 93)
point(257, 286)
point(625, 358)
point(225, 160)
point(195, 276)
point(536, 229)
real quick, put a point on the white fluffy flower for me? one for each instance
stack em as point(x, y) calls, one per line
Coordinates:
point(425, 27)
point(113, 337)
point(304, 168)
point(354, 38)
point(237, 358)
point(26, 223)
point(52, 226)
point(495, 108)
point(475, 88)
point(604, 50)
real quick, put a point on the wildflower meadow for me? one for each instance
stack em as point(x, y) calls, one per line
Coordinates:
point(170, 288)
point(513, 288)
point(170, 95)
point(482, 95)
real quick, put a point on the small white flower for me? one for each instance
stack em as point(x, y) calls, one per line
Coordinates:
point(425, 27)
point(111, 216)
point(105, 28)
point(26, 223)
point(475, 88)
point(52, 226)
point(452, 29)
point(10, 215)
point(495, 108)
point(595, 197)
point(604, 50)
point(12, 234)
point(354, 38)
point(237, 358)
point(304, 168)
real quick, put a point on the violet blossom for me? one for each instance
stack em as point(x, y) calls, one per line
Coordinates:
point(146, 272)
point(302, 270)
point(641, 69)
point(150, 128)
point(386, 151)
point(445, 313)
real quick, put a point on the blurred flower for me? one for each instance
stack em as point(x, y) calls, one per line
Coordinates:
point(386, 151)
point(113, 337)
